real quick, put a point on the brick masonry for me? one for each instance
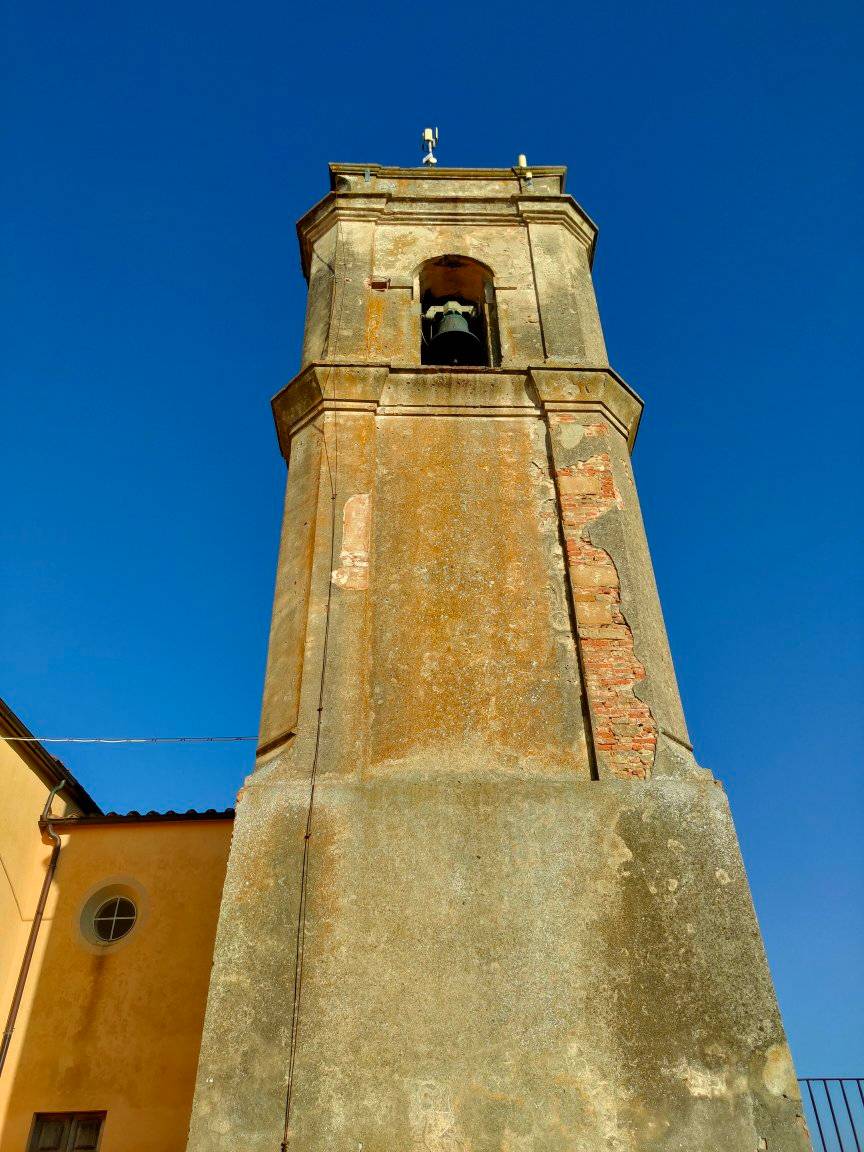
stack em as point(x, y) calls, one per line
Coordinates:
point(625, 733)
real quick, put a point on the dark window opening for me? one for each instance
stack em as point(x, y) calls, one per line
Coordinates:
point(114, 919)
point(66, 1132)
point(457, 313)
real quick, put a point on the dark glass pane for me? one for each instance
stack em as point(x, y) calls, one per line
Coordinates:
point(108, 910)
point(86, 1136)
point(50, 1134)
point(103, 929)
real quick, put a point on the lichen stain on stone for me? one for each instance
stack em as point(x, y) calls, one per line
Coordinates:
point(778, 1073)
point(625, 732)
point(708, 1083)
point(353, 570)
point(685, 1050)
point(516, 1141)
point(433, 1123)
point(618, 854)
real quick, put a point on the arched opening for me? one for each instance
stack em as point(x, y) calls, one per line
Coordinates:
point(457, 313)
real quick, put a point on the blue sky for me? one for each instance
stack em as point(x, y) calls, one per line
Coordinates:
point(156, 159)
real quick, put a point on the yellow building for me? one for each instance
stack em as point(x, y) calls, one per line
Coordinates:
point(106, 1025)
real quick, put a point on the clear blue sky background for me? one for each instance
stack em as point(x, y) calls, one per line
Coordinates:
point(156, 159)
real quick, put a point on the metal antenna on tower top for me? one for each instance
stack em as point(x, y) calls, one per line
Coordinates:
point(429, 141)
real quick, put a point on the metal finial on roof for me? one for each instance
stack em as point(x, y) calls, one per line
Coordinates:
point(428, 142)
point(524, 171)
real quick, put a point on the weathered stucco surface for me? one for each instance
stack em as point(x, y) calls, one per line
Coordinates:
point(470, 619)
point(496, 962)
point(521, 911)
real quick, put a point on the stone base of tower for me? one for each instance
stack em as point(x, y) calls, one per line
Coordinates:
point(494, 962)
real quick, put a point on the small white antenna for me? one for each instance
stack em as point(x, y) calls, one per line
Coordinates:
point(429, 141)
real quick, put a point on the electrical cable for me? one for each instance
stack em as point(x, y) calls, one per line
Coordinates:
point(125, 739)
point(300, 943)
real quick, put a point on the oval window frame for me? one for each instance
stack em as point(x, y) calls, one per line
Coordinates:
point(116, 887)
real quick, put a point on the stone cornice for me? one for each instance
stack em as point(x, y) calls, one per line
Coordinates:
point(563, 211)
point(424, 390)
point(556, 172)
point(514, 208)
point(573, 389)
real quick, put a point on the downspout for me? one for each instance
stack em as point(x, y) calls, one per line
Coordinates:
point(45, 827)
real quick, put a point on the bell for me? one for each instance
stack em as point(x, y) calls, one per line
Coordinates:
point(453, 342)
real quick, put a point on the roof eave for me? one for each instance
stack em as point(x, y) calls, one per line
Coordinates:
point(48, 768)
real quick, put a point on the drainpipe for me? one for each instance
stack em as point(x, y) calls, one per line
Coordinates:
point(45, 826)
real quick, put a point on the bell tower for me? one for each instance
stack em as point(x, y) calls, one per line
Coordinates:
point(480, 897)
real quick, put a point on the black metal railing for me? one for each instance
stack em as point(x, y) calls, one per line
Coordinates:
point(834, 1107)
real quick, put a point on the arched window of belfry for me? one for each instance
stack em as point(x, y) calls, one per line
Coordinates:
point(457, 313)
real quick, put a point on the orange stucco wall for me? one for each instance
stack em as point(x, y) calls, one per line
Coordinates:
point(118, 1028)
point(23, 860)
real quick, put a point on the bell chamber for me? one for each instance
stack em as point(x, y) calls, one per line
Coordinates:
point(457, 313)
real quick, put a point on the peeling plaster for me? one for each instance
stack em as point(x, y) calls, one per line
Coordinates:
point(353, 570)
point(625, 731)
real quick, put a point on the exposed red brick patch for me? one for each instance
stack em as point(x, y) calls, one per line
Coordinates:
point(625, 734)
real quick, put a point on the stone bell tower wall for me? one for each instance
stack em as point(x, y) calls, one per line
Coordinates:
point(364, 248)
point(480, 897)
point(491, 520)
point(370, 236)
